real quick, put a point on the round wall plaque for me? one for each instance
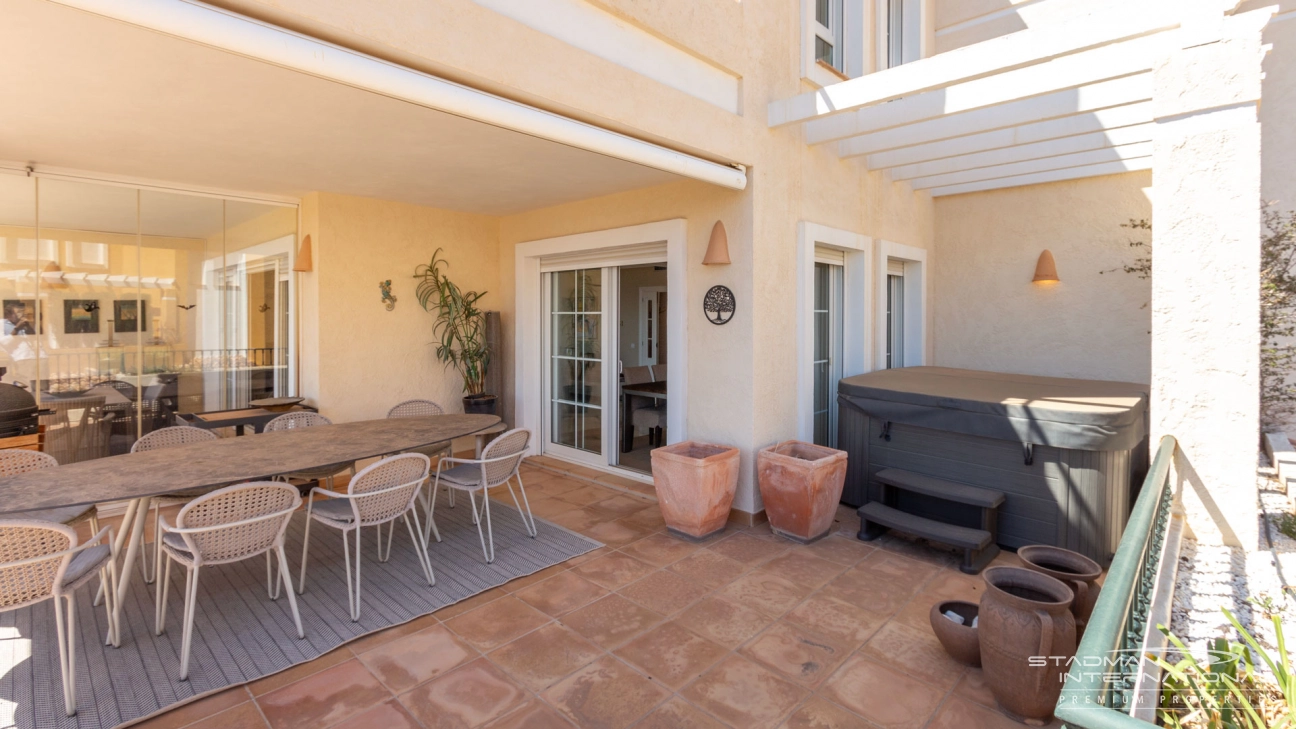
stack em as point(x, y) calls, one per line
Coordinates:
point(719, 305)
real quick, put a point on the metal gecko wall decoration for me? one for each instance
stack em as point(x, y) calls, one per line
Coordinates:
point(387, 297)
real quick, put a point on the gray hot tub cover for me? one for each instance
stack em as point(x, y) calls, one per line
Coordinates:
point(1092, 415)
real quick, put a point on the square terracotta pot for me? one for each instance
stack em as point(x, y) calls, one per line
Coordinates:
point(801, 484)
point(695, 486)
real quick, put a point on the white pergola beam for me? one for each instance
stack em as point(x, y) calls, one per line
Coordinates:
point(1032, 166)
point(1071, 173)
point(1108, 23)
point(1068, 126)
point(1134, 135)
point(1069, 72)
point(1104, 95)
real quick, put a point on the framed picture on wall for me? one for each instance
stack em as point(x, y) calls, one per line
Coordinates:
point(80, 316)
point(126, 316)
point(19, 315)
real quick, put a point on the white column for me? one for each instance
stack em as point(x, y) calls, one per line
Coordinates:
point(1206, 266)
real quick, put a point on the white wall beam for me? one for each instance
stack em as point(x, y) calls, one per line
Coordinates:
point(1032, 166)
point(1068, 126)
point(1072, 173)
point(1027, 152)
point(1110, 22)
point(1069, 72)
point(1117, 92)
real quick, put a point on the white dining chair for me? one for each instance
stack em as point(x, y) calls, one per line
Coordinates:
point(230, 524)
point(176, 435)
point(379, 494)
point(498, 466)
point(41, 560)
point(14, 462)
point(307, 419)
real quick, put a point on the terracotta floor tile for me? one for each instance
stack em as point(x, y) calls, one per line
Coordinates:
point(606, 693)
point(660, 549)
point(548, 508)
point(199, 710)
point(803, 569)
point(614, 570)
point(324, 698)
point(496, 623)
point(709, 568)
point(846, 551)
point(405, 663)
point(820, 713)
point(541, 657)
point(664, 592)
point(797, 654)
point(558, 485)
point(589, 556)
point(243, 716)
point(577, 520)
point(621, 506)
point(958, 713)
point(469, 696)
point(954, 585)
point(881, 694)
point(745, 694)
point(472, 603)
point(373, 640)
point(723, 621)
point(623, 482)
point(749, 549)
point(919, 550)
point(616, 533)
point(390, 715)
point(876, 592)
point(916, 652)
point(678, 714)
point(585, 495)
point(532, 715)
point(765, 592)
point(898, 568)
point(300, 671)
point(611, 621)
point(650, 519)
point(561, 593)
point(531, 579)
point(973, 687)
point(671, 655)
point(835, 619)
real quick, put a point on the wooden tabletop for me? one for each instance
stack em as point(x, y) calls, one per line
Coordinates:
point(647, 389)
point(228, 460)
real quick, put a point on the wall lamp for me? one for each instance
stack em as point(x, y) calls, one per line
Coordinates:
point(1046, 269)
point(717, 252)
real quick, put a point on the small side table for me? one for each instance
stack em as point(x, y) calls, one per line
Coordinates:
point(484, 437)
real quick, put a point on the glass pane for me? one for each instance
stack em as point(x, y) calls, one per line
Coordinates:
point(576, 365)
point(259, 244)
point(823, 12)
point(895, 321)
point(17, 279)
point(95, 318)
point(895, 33)
point(824, 52)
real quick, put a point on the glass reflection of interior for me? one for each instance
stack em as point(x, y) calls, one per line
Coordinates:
point(577, 364)
point(124, 307)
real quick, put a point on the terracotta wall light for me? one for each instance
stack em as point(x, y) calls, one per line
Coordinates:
point(304, 262)
point(717, 252)
point(1046, 269)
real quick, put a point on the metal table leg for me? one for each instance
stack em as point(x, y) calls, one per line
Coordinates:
point(127, 570)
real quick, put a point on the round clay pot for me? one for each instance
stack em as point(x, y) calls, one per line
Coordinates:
point(1027, 632)
point(1078, 571)
point(960, 640)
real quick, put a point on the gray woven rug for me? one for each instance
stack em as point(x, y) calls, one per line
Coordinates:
point(240, 634)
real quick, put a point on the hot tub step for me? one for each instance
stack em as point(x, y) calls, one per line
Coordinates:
point(940, 488)
point(977, 544)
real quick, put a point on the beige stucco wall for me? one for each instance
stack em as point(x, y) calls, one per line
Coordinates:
point(988, 315)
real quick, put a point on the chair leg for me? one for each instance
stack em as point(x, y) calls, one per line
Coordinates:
point(270, 580)
point(391, 531)
point(65, 632)
point(186, 641)
point(151, 575)
point(488, 554)
point(162, 594)
point(108, 577)
point(301, 581)
point(353, 588)
point(528, 521)
point(287, 585)
point(431, 528)
point(419, 547)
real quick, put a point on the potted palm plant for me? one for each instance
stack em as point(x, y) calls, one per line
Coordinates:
point(460, 329)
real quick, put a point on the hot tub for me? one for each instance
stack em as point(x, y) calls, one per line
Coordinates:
point(1067, 454)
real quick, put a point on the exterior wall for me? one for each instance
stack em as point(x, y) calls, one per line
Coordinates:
point(988, 315)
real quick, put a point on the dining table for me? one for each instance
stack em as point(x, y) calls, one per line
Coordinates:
point(138, 477)
point(651, 390)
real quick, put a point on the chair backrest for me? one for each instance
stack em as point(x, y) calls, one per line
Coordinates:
point(637, 375)
point(176, 435)
point(20, 540)
point(409, 470)
point(14, 462)
point(415, 409)
point(299, 419)
point(658, 372)
point(234, 504)
point(510, 443)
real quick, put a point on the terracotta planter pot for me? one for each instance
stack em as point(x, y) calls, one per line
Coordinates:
point(1025, 614)
point(1076, 570)
point(695, 486)
point(960, 640)
point(801, 484)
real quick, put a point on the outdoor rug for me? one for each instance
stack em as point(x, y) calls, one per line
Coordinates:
point(239, 633)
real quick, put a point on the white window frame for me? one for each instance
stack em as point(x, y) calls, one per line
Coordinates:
point(857, 252)
point(913, 36)
point(849, 42)
point(915, 303)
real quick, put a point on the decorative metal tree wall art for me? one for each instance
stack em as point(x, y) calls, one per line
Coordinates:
point(719, 305)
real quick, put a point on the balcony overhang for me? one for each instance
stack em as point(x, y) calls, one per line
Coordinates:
point(1038, 105)
point(180, 91)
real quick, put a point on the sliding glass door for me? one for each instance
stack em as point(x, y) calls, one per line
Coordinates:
point(828, 335)
point(576, 364)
